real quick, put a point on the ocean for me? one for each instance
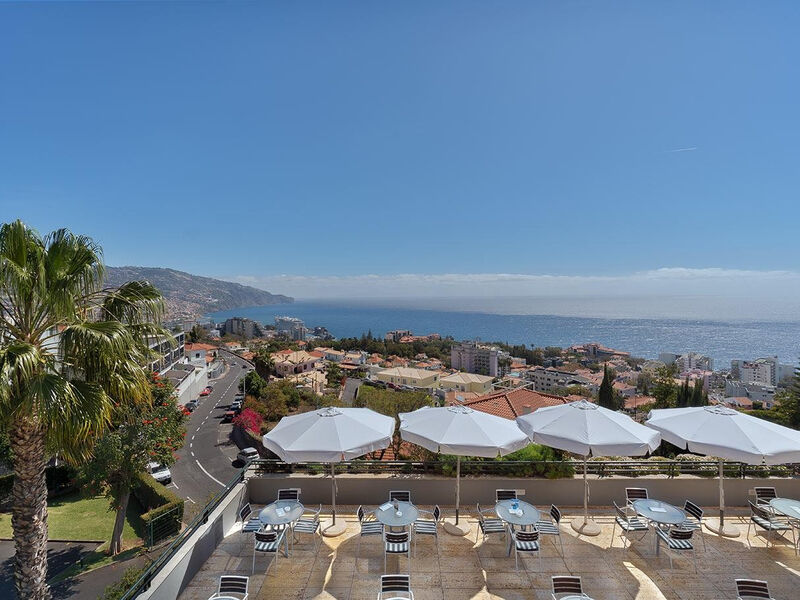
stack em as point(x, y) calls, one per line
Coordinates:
point(723, 339)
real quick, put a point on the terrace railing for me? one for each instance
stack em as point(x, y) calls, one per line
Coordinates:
point(510, 468)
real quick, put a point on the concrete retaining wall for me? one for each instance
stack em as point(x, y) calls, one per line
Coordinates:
point(181, 568)
point(373, 489)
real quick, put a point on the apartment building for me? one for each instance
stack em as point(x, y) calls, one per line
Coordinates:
point(409, 377)
point(467, 382)
point(473, 357)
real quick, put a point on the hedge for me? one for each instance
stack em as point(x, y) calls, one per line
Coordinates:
point(60, 481)
point(157, 500)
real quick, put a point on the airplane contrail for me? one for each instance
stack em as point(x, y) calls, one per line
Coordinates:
point(689, 149)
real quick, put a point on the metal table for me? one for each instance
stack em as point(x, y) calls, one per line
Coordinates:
point(282, 513)
point(390, 518)
point(787, 507)
point(658, 512)
point(530, 514)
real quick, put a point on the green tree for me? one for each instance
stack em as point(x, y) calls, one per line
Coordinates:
point(140, 435)
point(67, 348)
point(699, 395)
point(788, 402)
point(664, 389)
point(391, 403)
point(605, 395)
point(683, 395)
point(334, 375)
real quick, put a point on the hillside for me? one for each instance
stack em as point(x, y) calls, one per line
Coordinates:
point(190, 296)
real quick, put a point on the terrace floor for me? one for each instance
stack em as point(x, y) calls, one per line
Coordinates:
point(461, 569)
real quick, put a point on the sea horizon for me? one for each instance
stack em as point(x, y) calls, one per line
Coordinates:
point(730, 336)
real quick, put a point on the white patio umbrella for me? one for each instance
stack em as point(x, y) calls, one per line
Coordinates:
point(727, 434)
point(461, 431)
point(589, 430)
point(330, 435)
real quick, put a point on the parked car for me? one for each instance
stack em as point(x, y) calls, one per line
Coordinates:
point(236, 404)
point(244, 366)
point(247, 454)
point(210, 388)
point(191, 405)
point(205, 393)
point(227, 417)
point(159, 472)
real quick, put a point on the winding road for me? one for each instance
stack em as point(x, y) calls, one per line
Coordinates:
point(205, 463)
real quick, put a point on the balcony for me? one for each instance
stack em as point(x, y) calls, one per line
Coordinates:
point(459, 567)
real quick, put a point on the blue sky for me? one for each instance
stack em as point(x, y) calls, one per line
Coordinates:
point(278, 143)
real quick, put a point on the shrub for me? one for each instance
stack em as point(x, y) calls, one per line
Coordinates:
point(249, 420)
point(157, 500)
point(117, 590)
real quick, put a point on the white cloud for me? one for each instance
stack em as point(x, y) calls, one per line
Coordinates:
point(668, 280)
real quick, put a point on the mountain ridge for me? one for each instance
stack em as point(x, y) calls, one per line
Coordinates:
point(190, 296)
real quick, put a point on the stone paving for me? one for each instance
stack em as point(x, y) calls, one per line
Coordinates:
point(461, 569)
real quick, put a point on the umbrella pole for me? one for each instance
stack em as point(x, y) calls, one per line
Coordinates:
point(458, 486)
point(333, 529)
point(452, 527)
point(720, 528)
point(333, 491)
point(584, 525)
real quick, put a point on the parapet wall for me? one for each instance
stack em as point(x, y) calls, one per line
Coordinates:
point(430, 490)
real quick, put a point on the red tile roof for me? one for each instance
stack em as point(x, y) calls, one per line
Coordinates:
point(510, 404)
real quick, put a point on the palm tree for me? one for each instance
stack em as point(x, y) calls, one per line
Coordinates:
point(67, 348)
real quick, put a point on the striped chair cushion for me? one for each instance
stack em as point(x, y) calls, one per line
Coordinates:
point(673, 543)
point(548, 528)
point(632, 524)
point(306, 526)
point(251, 526)
point(492, 526)
point(396, 547)
point(371, 528)
point(267, 546)
point(425, 527)
point(770, 525)
point(527, 546)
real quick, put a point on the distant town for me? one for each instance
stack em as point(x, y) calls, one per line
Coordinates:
point(490, 376)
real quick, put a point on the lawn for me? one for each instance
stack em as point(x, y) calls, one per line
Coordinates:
point(79, 517)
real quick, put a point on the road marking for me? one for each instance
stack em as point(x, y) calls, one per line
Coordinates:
point(175, 484)
point(192, 452)
point(193, 436)
point(190, 500)
point(202, 468)
point(190, 443)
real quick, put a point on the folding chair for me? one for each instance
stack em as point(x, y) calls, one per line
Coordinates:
point(694, 519)
point(505, 495)
point(427, 526)
point(567, 586)
point(489, 525)
point(249, 523)
point(628, 524)
point(752, 589)
point(232, 584)
point(632, 494)
point(526, 541)
point(267, 542)
point(551, 526)
point(289, 494)
point(400, 495)
point(393, 585)
point(764, 494)
point(309, 523)
point(761, 517)
point(396, 542)
point(368, 525)
point(678, 540)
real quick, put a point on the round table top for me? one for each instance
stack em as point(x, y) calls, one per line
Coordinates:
point(659, 512)
point(786, 506)
point(390, 518)
point(530, 514)
point(292, 510)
